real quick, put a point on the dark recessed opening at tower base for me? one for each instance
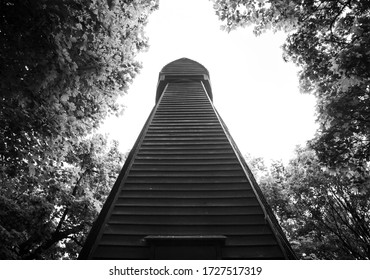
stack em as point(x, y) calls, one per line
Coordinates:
point(185, 191)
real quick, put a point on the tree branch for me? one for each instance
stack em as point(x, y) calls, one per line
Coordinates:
point(66, 210)
point(345, 5)
point(340, 237)
point(56, 237)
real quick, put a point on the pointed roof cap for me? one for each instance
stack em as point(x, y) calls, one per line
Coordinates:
point(183, 70)
point(184, 66)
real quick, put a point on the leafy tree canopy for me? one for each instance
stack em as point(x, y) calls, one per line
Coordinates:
point(324, 215)
point(330, 41)
point(63, 64)
point(322, 196)
point(47, 215)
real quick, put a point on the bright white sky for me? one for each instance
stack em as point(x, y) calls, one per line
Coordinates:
point(254, 90)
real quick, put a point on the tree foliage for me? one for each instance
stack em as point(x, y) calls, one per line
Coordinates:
point(322, 196)
point(330, 41)
point(46, 215)
point(63, 64)
point(325, 215)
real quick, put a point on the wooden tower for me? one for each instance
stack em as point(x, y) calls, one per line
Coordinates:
point(185, 191)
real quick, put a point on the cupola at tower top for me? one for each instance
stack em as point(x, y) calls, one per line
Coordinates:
point(183, 70)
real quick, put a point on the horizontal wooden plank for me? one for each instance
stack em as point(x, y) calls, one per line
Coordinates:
point(217, 144)
point(187, 219)
point(206, 130)
point(186, 210)
point(193, 180)
point(186, 147)
point(187, 119)
point(189, 99)
point(205, 124)
point(187, 230)
point(179, 116)
point(185, 158)
point(202, 186)
point(187, 193)
point(184, 132)
point(183, 113)
point(203, 163)
point(186, 173)
point(185, 167)
point(190, 202)
point(175, 105)
point(194, 152)
point(183, 110)
point(181, 139)
point(184, 120)
point(231, 240)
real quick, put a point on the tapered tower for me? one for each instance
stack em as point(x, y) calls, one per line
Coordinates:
point(185, 191)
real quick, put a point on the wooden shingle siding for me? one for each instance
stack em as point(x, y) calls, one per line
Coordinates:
point(184, 178)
